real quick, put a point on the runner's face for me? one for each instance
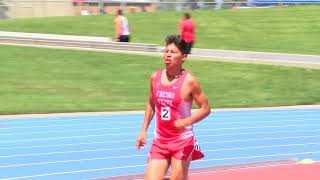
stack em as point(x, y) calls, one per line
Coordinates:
point(173, 57)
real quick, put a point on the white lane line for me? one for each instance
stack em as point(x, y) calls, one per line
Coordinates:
point(143, 165)
point(68, 120)
point(132, 147)
point(131, 156)
point(258, 139)
point(258, 156)
point(74, 172)
point(256, 127)
point(59, 145)
point(208, 122)
point(151, 126)
point(247, 167)
point(68, 137)
point(66, 152)
point(133, 140)
point(266, 116)
point(50, 126)
point(129, 114)
point(269, 110)
point(209, 169)
point(199, 129)
point(73, 130)
point(262, 147)
point(135, 120)
point(70, 161)
point(254, 133)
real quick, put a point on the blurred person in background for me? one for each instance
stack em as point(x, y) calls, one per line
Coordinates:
point(172, 92)
point(187, 31)
point(122, 33)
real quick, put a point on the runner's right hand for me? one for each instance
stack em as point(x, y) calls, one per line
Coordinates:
point(141, 140)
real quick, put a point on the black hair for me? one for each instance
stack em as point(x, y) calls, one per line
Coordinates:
point(187, 15)
point(177, 41)
point(120, 12)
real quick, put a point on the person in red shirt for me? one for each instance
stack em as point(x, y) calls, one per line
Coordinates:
point(187, 31)
point(172, 92)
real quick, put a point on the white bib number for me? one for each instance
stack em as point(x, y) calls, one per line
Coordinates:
point(165, 113)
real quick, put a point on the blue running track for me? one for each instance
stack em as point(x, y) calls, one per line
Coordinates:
point(76, 147)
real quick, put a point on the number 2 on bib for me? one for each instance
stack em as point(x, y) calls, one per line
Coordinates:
point(165, 113)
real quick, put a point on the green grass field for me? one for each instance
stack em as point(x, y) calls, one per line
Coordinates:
point(293, 29)
point(40, 80)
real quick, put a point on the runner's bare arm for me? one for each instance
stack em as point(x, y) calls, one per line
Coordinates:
point(201, 100)
point(117, 28)
point(149, 113)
